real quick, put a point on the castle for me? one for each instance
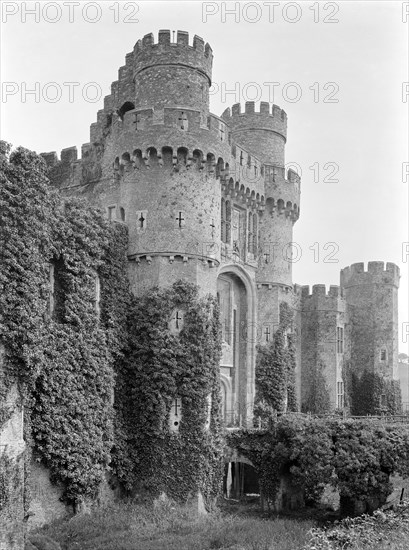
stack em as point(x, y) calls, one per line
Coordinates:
point(207, 199)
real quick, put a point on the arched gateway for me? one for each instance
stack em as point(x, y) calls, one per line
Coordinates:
point(236, 295)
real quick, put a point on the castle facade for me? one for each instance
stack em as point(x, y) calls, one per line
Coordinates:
point(207, 199)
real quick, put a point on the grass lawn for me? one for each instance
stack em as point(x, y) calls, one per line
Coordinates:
point(165, 526)
point(168, 527)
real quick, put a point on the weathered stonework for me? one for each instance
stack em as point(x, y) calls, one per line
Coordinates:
point(12, 455)
point(207, 199)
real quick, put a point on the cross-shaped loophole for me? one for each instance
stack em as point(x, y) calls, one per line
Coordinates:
point(180, 219)
point(178, 319)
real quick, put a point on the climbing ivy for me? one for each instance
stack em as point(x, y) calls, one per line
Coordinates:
point(317, 399)
point(161, 366)
point(67, 362)
point(64, 364)
point(275, 369)
point(355, 457)
point(372, 394)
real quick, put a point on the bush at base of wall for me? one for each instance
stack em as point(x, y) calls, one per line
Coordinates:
point(356, 457)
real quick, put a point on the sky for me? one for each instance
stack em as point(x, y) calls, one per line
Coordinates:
point(339, 70)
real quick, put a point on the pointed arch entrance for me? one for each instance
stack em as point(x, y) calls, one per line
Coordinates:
point(236, 295)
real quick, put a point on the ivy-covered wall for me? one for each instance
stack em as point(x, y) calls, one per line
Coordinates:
point(63, 360)
point(372, 394)
point(164, 364)
point(97, 368)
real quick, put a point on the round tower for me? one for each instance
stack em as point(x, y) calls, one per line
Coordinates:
point(372, 304)
point(262, 132)
point(164, 156)
point(172, 73)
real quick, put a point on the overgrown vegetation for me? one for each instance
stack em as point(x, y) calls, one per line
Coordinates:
point(67, 348)
point(275, 369)
point(384, 530)
point(372, 394)
point(357, 458)
point(62, 359)
point(160, 367)
point(167, 526)
point(317, 399)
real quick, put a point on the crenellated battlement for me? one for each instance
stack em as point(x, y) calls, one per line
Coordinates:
point(167, 50)
point(263, 131)
point(273, 119)
point(376, 273)
point(165, 39)
point(250, 109)
point(322, 300)
point(321, 291)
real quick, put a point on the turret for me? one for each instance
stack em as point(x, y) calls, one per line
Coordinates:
point(323, 320)
point(169, 73)
point(372, 303)
point(263, 132)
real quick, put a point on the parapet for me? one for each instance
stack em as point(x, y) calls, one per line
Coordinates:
point(376, 273)
point(168, 51)
point(320, 299)
point(250, 109)
point(265, 118)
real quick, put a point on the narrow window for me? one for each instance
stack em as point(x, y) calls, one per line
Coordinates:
point(340, 395)
point(122, 214)
point(267, 334)
point(111, 212)
point(340, 340)
point(221, 131)
point(228, 222)
point(383, 354)
point(250, 233)
point(56, 304)
point(236, 223)
point(255, 234)
point(223, 221)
